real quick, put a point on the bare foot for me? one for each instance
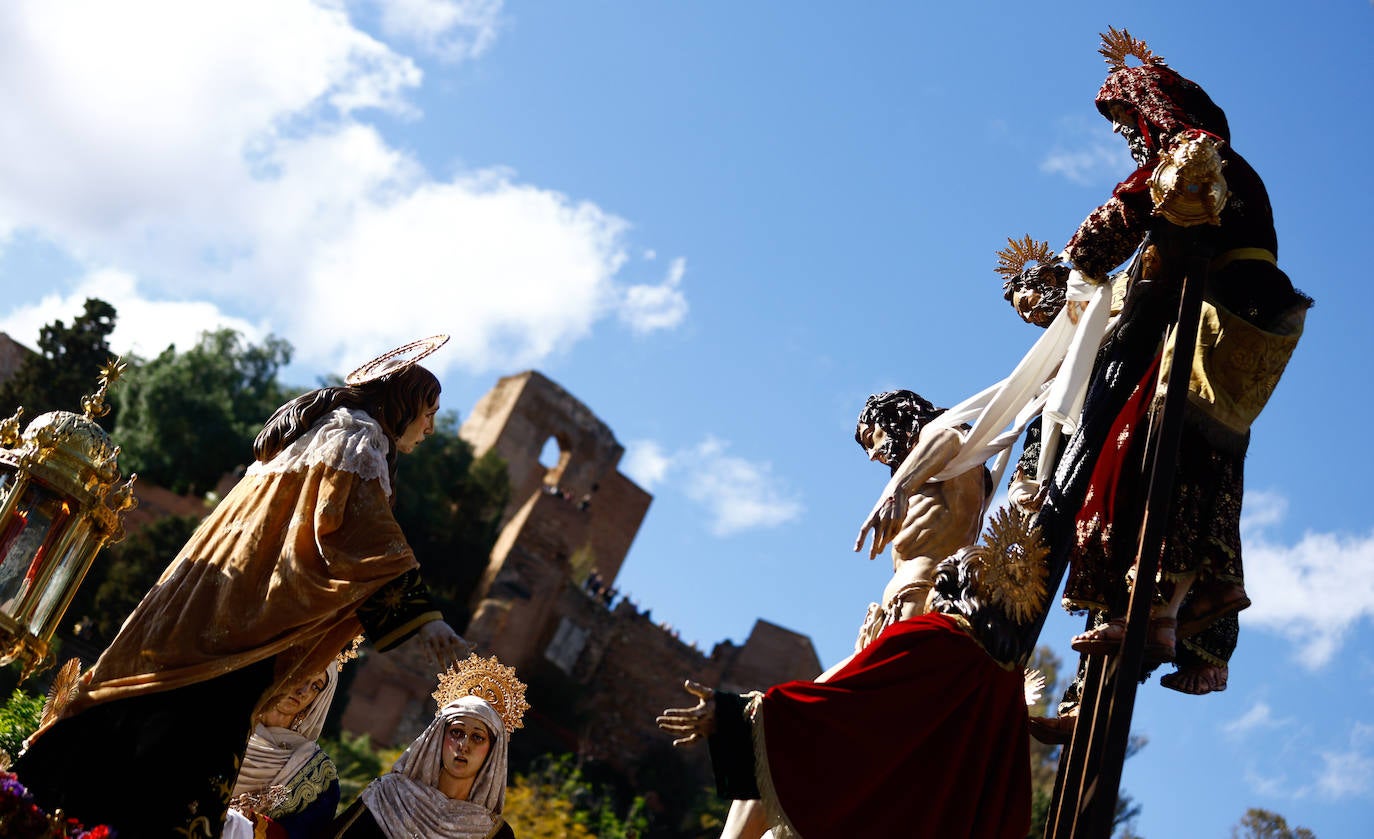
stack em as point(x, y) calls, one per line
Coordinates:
point(1198, 679)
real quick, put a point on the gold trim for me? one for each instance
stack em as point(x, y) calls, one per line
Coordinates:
point(1238, 254)
point(386, 641)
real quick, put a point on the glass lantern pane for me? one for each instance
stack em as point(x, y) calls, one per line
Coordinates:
point(71, 562)
point(25, 538)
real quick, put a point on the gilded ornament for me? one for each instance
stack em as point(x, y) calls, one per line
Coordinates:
point(489, 679)
point(1013, 258)
point(1188, 187)
point(1014, 573)
point(9, 430)
point(1117, 44)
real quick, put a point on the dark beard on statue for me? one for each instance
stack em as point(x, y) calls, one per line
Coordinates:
point(895, 450)
point(1139, 144)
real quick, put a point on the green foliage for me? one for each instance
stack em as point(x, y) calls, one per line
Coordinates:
point(1045, 759)
point(555, 800)
point(18, 719)
point(67, 366)
point(186, 419)
point(449, 506)
point(123, 573)
point(357, 762)
point(1266, 824)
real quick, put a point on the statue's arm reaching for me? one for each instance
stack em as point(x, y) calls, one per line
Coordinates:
point(933, 450)
point(688, 725)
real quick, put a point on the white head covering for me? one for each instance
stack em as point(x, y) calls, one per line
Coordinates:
point(407, 802)
point(276, 754)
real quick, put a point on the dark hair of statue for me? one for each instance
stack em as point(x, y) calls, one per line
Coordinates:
point(955, 593)
point(1052, 281)
point(394, 401)
point(900, 413)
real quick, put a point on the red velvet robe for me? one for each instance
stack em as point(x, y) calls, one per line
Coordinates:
point(921, 734)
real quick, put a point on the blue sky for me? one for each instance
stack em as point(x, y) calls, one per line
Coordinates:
point(722, 226)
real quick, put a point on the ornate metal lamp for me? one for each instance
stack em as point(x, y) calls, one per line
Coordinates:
point(58, 507)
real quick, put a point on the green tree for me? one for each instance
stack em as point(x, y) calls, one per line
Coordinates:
point(449, 506)
point(186, 419)
point(555, 799)
point(66, 366)
point(18, 719)
point(1265, 824)
point(1045, 759)
point(123, 573)
point(357, 762)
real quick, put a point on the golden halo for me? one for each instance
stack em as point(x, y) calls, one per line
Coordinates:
point(394, 360)
point(1013, 258)
point(1118, 44)
point(489, 679)
point(1015, 577)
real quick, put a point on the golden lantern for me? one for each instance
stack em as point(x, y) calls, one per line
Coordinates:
point(59, 505)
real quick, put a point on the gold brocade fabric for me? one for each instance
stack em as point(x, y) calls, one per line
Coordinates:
point(1236, 365)
point(278, 569)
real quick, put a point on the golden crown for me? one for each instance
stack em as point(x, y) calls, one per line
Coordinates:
point(1117, 44)
point(1012, 258)
point(1011, 569)
point(489, 679)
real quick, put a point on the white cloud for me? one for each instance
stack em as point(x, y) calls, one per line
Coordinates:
point(737, 494)
point(143, 327)
point(1090, 155)
point(221, 153)
point(645, 463)
point(451, 29)
point(649, 308)
point(1329, 569)
point(1345, 774)
point(1260, 716)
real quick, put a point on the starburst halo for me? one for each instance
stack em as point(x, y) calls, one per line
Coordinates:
point(1013, 258)
point(1014, 573)
point(489, 679)
point(1117, 44)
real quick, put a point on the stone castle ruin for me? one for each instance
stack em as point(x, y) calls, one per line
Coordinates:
point(599, 668)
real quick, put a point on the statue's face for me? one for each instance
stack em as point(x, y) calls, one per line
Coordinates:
point(420, 428)
point(1024, 301)
point(466, 743)
point(880, 445)
point(299, 696)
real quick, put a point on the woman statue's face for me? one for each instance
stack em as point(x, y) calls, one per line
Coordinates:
point(298, 696)
point(466, 743)
point(420, 428)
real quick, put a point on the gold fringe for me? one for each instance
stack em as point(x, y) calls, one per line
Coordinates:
point(772, 808)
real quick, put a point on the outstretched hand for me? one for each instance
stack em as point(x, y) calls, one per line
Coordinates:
point(885, 521)
point(443, 646)
point(688, 725)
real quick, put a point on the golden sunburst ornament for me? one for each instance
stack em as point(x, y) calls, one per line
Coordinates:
point(1117, 44)
point(1013, 258)
point(1014, 574)
point(489, 679)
